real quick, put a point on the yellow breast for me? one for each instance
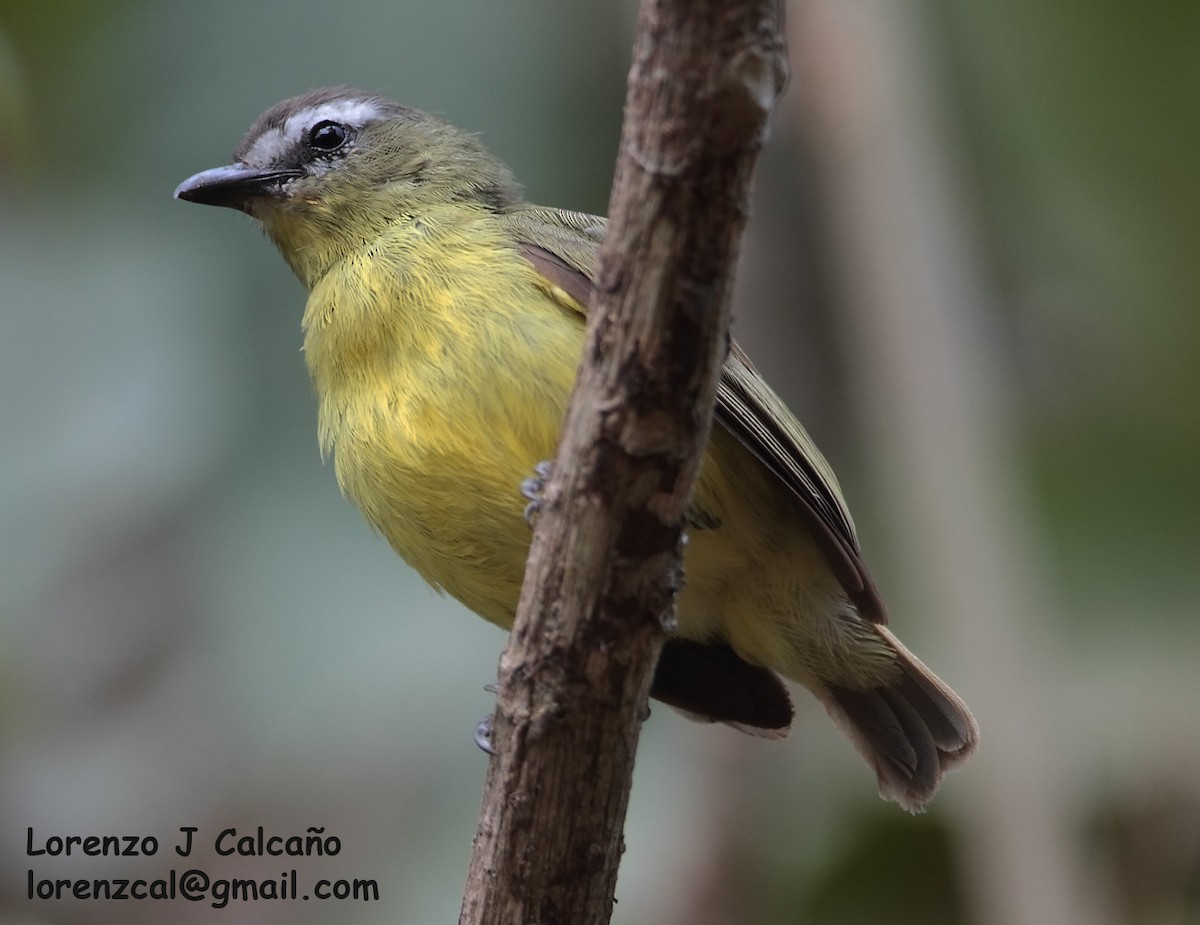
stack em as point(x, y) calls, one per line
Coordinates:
point(442, 373)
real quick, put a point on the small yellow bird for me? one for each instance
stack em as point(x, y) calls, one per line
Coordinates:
point(444, 326)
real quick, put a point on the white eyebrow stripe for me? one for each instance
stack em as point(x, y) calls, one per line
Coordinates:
point(272, 144)
point(351, 112)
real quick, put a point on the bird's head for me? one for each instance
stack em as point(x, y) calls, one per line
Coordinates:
point(326, 171)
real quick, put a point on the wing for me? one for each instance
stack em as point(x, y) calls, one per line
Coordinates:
point(562, 247)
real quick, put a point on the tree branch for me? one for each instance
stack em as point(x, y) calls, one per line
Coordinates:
point(604, 567)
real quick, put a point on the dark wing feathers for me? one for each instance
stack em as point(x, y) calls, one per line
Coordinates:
point(754, 414)
point(712, 682)
point(562, 247)
point(558, 272)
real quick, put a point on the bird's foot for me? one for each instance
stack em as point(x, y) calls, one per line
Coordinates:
point(483, 732)
point(533, 487)
point(483, 735)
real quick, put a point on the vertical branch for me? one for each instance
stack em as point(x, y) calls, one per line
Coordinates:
point(604, 566)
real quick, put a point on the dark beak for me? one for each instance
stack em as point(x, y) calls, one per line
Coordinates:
point(234, 187)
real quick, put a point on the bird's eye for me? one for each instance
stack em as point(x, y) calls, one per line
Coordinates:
point(327, 136)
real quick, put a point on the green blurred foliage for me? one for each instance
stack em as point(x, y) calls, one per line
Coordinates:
point(1083, 126)
point(890, 869)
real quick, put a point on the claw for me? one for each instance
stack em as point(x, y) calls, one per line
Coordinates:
point(533, 487)
point(483, 735)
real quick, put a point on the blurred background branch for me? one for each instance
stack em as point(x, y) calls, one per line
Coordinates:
point(927, 376)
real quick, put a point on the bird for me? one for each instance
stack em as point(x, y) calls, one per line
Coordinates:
point(443, 328)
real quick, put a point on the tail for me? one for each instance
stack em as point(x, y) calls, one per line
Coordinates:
point(911, 731)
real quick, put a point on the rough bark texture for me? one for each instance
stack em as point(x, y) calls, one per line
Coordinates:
point(604, 567)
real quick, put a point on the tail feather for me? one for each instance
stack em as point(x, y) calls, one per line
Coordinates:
point(911, 731)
